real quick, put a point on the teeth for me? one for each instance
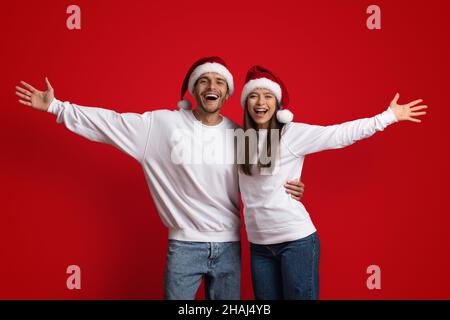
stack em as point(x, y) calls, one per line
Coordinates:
point(215, 96)
point(260, 110)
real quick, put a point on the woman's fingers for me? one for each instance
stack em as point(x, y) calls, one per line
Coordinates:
point(414, 102)
point(28, 86)
point(23, 90)
point(418, 108)
point(397, 96)
point(25, 103)
point(414, 114)
point(296, 198)
point(414, 120)
point(23, 96)
point(413, 111)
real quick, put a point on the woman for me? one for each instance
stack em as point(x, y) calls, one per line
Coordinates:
point(284, 244)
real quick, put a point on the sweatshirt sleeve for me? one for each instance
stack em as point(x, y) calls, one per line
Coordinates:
point(305, 139)
point(126, 131)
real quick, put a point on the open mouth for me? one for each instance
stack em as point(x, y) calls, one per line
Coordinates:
point(261, 111)
point(211, 97)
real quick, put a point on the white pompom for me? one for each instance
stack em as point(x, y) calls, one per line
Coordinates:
point(184, 104)
point(284, 116)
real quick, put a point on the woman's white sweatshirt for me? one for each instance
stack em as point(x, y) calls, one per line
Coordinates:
point(271, 215)
point(197, 200)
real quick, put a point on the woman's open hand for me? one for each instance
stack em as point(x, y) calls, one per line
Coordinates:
point(407, 112)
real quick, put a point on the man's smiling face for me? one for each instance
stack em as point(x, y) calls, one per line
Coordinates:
point(211, 91)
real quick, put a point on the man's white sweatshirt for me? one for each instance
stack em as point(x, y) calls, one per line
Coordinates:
point(271, 215)
point(196, 200)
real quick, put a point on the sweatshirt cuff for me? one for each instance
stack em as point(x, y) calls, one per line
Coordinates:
point(53, 107)
point(389, 116)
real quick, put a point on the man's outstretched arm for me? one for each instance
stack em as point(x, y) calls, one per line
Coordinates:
point(125, 131)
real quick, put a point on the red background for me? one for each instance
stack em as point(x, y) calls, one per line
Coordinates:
point(66, 200)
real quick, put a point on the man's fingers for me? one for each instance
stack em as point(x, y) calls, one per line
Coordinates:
point(414, 120)
point(296, 198)
point(28, 86)
point(23, 96)
point(295, 182)
point(418, 108)
point(25, 103)
point(23, 90)
point(49, 86)
point(413, 103)
point(295, 193)
point(294, 187)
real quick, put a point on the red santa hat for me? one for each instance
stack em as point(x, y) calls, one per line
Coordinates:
point(200, 67)
point(261, 78)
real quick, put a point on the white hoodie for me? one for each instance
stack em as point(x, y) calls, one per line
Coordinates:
point(196, 201)
point(271, 215)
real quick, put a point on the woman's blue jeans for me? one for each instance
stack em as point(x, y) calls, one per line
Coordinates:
point(288, 270)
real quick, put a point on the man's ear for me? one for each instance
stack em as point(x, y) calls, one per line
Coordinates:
point(227, 96)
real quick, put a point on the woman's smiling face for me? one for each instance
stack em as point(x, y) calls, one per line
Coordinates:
point(261, 104)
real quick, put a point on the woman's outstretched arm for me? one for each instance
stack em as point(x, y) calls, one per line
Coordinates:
point(305, 139)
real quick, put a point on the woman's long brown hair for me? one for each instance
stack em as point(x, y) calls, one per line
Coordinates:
point(249, 123)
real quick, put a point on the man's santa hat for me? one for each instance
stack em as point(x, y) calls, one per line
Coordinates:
point(261, 78)
point(200, 67)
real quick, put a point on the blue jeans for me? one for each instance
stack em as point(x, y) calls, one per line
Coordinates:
point(219, 263)
point(288, 270)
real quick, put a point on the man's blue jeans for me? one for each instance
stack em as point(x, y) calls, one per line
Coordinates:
point(288, 270)
point(219, 263)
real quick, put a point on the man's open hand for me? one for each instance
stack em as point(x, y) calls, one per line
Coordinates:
point(34, 98)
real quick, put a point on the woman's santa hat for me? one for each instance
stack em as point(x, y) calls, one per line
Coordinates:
point(261, 78)
point(200, 67)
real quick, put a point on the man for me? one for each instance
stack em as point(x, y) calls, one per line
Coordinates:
point(197, 201)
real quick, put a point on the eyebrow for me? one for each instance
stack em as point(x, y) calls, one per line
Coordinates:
point(266, 91)
point(216, 78)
